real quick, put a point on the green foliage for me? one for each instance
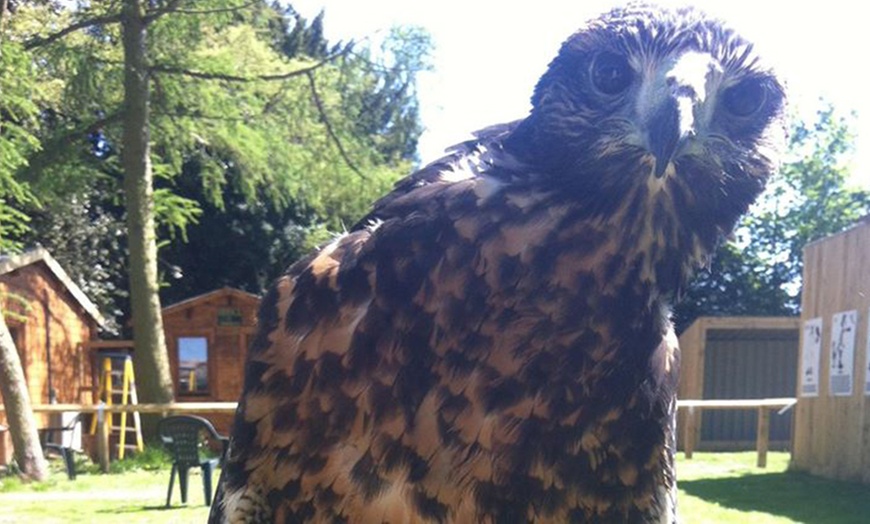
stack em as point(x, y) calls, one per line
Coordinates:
point(383, 98)
point(262, 238)
point(295, 36)
point(759, 272)
point(17, 141)
point(175, 212)
point(310, 158)
point(811, 199)
point(85, 233)
point(317, 192)
point(271, 133)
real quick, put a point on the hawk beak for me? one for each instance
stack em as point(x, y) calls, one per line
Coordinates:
point(670, 125)
point(664, 135)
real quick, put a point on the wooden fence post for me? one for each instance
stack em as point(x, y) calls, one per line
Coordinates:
point(103, 438)
point(689, 439)
point(762, 437)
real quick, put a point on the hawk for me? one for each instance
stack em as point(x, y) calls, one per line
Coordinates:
point(492, 343)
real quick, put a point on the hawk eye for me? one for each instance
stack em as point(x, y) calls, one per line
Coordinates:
point(611, 73)
point(745, 98)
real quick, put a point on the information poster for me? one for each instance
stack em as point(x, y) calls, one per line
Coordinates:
point(867, 360)
point(843, 352)
point(811, 357)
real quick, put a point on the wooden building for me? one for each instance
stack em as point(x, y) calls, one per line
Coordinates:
point(738, 358)
point(50, 320)
point(207, 337)
point(832, 418)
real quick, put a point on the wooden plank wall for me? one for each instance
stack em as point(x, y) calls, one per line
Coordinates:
point(66, 326)
point(747, 364)
point(832, 434)
point(227, 345)
point(691, 374)
point(693, 348)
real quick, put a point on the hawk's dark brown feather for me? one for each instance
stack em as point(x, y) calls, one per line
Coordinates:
point(492, 343)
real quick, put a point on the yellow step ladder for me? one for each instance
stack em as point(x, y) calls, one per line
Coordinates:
point(119, 365)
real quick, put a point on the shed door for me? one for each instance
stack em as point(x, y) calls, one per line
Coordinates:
point(747, 364)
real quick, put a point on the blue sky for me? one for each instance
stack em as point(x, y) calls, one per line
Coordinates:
point(489, 54)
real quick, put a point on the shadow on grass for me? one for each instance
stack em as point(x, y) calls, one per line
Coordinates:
point(797, 496)
point(137, 508)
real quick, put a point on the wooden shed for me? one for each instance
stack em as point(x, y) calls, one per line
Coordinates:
point(50, 319)
point(832, 425)
point(738, 358)
point(207, 337)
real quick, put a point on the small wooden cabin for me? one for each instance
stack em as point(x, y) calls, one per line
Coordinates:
point(832, 416)
point(50, 319)
point(207, 337)
point(738, 358)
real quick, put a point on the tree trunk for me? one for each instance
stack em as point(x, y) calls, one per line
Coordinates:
point(153, 377)
point(16, 399)
point(3, 4)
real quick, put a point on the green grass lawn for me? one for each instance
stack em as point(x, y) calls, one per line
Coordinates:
point(714, 488)
point(134, 492)
point(727, 487)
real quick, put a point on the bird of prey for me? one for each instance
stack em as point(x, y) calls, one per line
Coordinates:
point(492, 343)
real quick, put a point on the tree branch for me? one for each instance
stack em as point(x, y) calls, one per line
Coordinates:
point(329, 130)
point(93, 127)
point(102, 20)
point(3, 4)
point(159, 12)
point(199, 116)
point(153, 15)
point(76, 133)
point(235, 78)
point(82, 24)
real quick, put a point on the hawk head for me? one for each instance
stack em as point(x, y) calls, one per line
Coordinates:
point(669, 104)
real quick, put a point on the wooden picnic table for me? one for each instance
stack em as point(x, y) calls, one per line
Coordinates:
point(694, 408)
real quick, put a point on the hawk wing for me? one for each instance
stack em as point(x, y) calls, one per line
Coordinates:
point(462, 160)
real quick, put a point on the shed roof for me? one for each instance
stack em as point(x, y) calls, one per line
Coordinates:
point(211, 295)
point(858, 224)
point(9, 263)
point(745, 323)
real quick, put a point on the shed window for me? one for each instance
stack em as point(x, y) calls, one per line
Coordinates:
point(192, 365)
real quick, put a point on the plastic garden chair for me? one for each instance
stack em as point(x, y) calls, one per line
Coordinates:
point(181, 436)
point(63, 447)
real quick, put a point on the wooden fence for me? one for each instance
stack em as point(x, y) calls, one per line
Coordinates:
point(693, 413)
point(103, 429)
